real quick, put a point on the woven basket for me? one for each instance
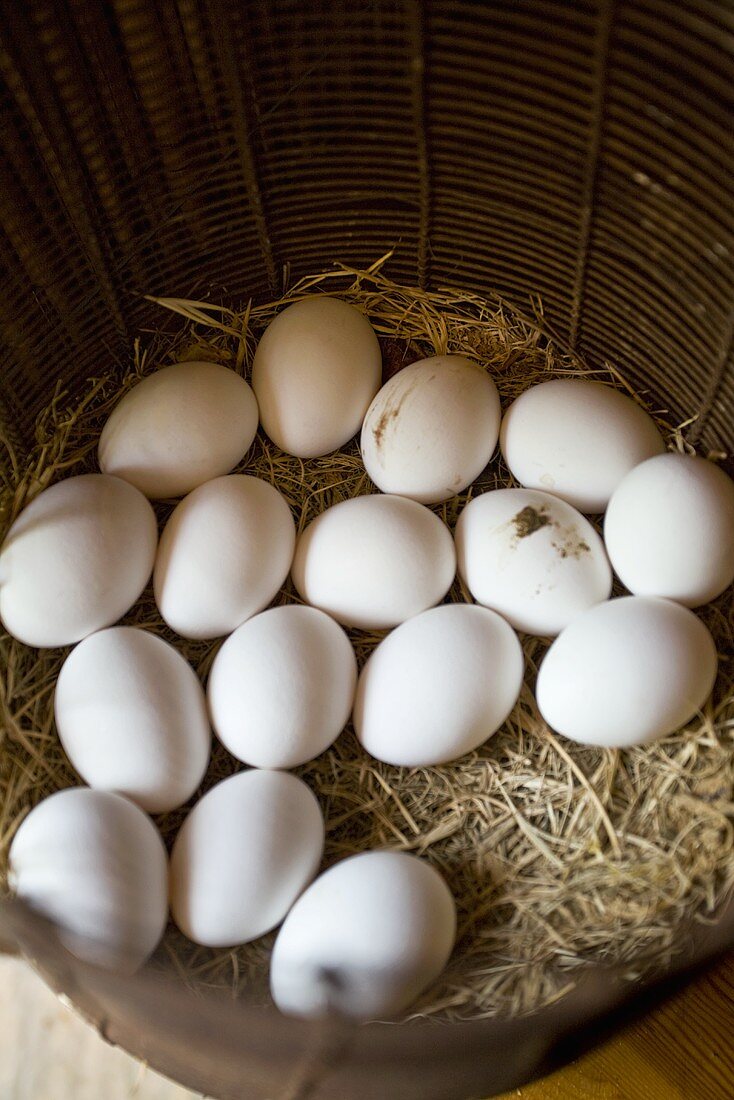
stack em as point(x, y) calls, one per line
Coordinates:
point(575, 152)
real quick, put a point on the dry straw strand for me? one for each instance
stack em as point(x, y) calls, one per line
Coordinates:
point(559, 856)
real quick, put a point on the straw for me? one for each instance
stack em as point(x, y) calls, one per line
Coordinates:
point(559, 856)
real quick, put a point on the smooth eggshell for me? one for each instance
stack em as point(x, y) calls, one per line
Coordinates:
point(223, 555)
point(131, 715)
point(365, 939)
point(315, 371)
point(626, 672)
point(179, 427)
point(431, 429)
point(92, 862)
point(243, 855)
point(576, 439)
point(281, 687)
point(438, 686)
point(373, 561)
point(75, 560)
point(532, 557)
point(669, 529)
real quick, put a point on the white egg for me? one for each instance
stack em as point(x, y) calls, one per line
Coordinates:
point(431, 429)
point(131, 715)
point(532, 557)
point(75, 560)
point(627, 672)
point(315, 371)
point(95, 865)
point(179, 427)
point(438, 686)
point(223, 555)
point(669, 529)
point(243, 855)
point(576, 439)
point(282, 686)
point(365, 939)
point(373, 561)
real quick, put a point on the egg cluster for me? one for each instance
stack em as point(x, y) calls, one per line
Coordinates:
point(367, 935)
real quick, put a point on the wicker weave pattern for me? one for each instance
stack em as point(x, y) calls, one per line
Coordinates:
point(577, 151)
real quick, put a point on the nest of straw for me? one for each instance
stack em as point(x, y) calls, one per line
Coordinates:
point(559, 856)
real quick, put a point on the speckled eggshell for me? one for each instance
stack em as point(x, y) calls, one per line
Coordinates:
point(131, 716)
point(431, 429)
point(282, 686)
point(669, 529)
point(179, 427)
point(365, 939)
point(244, 854)
point(316, 369)
point(438, 686)
point(223, 555)
point(531, 557)
point(94, 864)
point(75, 560)
point(626, 672)
point(373, 561)
point(576, 439)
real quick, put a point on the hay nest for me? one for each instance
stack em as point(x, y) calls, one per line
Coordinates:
point(559, 856)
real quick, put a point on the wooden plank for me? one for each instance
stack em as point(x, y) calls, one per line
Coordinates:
point(683, 1051)
point(48, 1053)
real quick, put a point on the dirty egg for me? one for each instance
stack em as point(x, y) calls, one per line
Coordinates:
point(532, 557)
point(431, 429)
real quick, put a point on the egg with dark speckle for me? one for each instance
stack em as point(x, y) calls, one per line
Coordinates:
point(532, 557)
point(431, 429)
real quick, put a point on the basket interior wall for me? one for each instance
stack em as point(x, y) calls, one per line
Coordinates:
point(575, 152)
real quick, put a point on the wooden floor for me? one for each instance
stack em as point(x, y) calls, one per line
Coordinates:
point(684, 1052)
point(48, 1053)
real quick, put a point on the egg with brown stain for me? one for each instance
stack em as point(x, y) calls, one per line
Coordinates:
point(532, 557)
point(431, 429)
